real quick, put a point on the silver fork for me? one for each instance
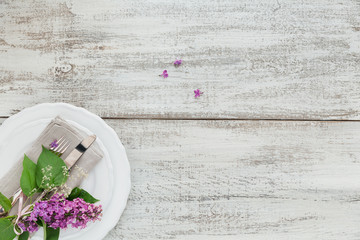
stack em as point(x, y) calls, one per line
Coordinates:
point(62, 146)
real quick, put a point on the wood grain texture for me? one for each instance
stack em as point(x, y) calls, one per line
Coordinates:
point(241, 180)
point(206, 179)
point(263, 59)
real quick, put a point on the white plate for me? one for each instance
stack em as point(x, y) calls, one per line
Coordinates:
point(110, 179)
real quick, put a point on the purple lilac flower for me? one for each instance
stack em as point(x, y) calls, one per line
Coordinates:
point(59, 212)
point(197, 93)
point(164, 74)
point(54, 144)
point(177, 62)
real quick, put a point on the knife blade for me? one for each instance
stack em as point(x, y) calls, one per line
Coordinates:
point(75, 154)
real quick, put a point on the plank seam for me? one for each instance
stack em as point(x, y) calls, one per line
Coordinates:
point(226, 119)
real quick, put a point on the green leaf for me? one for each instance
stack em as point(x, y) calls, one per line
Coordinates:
point(50, 233)
point(51, 170)
point(81, 193)
point(5, 202)
point(28, 179)
point(74, 194)
point(6, 229)
point(24, 236)
point(87, 197)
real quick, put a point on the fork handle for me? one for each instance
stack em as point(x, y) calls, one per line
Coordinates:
point(14, 198)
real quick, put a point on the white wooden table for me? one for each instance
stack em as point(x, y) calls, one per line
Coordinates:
point(271, 150)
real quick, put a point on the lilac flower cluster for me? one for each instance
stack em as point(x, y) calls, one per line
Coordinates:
point(59, 212)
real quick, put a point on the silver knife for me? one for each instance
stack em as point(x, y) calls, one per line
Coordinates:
point(75, 154)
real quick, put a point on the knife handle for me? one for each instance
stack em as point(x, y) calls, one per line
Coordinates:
point(72, 158)
point(79, 150)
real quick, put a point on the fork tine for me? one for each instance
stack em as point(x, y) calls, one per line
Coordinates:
point(62, 145)
point(59, 145)
point(59, 141)
point(63, 148)
point(61, 138)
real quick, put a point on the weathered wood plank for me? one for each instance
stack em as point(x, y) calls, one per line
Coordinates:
point(241, 180)
point(253, 59)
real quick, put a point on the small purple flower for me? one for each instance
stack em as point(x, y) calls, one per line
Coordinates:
point(164, 74)
point(177, 62)
point(29, 226)
point(197, 93)
point(54, 144)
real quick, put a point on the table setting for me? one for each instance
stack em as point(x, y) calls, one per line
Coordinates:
point(67, 176)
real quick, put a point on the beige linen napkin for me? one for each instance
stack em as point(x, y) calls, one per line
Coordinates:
point(57, 128)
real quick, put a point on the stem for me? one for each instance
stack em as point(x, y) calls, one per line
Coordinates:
point(9, 217)
point(27, 200)
point(42, 195)
point(44, 227)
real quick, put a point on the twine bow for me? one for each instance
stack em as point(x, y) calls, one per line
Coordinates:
point(22, 212)
point(19, 215)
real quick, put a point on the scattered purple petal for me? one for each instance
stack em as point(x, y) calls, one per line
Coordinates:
point(177, 62)
point(54, 144)
point(164, 74)
point(197, 93)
